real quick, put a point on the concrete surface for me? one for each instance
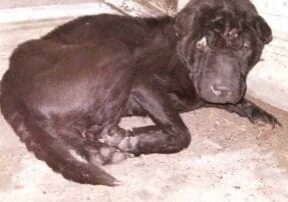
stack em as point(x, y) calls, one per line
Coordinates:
point(29, 3)
point(50, 12)
point(269, 79)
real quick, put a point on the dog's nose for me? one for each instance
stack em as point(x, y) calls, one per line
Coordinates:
point(221, 90)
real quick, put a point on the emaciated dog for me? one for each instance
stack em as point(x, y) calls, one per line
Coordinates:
point(64, 94)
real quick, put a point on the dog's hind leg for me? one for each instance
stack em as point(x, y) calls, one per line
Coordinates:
point(88, 149)
point(168, 135)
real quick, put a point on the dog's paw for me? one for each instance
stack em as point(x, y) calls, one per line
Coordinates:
point(258, 116)
point(106, 155)
point(114, 137)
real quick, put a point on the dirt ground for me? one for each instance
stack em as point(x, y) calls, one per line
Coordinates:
point(229, 159)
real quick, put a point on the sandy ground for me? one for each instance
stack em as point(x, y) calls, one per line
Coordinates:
point(229, 159)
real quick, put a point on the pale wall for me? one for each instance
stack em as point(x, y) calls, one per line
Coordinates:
point(28, 3)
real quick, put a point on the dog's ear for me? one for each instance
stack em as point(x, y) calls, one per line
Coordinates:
point(263, 29)
point(196, 20)
point(187, 22)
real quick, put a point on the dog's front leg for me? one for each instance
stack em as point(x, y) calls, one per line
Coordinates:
point(168, 135)
point(255, 114)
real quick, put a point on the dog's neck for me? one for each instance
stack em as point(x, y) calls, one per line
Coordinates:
point(162, 32)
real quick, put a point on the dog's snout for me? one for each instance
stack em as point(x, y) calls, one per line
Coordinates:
point(221, 90)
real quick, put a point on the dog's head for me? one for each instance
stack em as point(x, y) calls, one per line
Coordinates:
point(222, 53)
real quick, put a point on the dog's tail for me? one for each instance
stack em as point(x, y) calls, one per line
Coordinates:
point(45, 146)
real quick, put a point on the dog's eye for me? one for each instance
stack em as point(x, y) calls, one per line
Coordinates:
point(231, 35)
point(246, 45)
point(202, 43)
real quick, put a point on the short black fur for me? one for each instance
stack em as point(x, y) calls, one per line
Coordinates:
point(67, 92)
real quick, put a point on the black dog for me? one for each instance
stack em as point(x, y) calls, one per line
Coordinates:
point(67, 92)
